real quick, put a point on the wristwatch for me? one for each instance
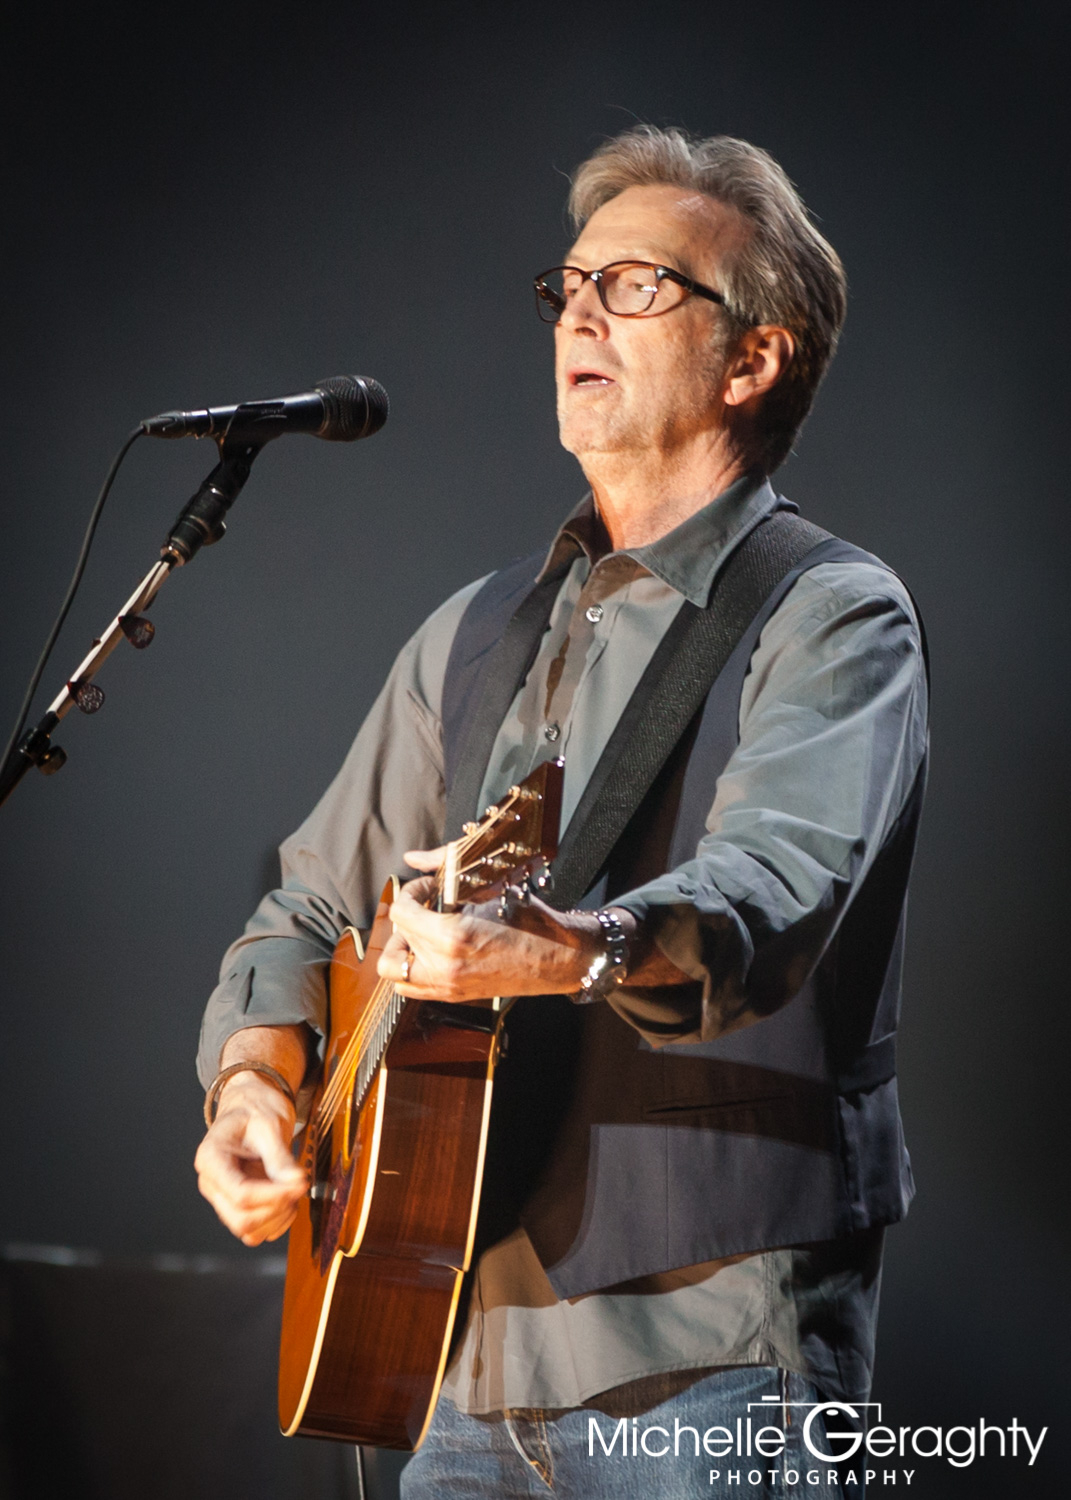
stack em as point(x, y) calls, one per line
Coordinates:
point(609, 967)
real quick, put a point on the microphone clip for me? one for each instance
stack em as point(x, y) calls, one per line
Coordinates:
point(202, 520)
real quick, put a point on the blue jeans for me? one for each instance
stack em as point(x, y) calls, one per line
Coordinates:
point(582, 1454)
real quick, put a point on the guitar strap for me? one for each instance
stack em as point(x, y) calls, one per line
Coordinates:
point(684, 667)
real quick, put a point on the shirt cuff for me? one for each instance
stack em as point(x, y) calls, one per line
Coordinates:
point(270, 982)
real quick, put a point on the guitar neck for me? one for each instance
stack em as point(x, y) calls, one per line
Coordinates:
point(513, 838)
point(359, 1062)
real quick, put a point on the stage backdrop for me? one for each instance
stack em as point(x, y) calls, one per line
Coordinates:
point(231, 202)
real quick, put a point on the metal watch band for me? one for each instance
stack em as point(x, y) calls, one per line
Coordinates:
point(608, 968)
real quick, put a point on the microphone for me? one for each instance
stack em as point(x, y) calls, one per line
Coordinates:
point(342, 409)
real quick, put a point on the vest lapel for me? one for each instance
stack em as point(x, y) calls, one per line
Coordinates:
point(508, 666)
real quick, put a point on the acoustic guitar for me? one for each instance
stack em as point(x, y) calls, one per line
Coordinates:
point(394, 1150)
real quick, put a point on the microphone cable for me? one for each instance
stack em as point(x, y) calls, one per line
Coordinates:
point(72, 589)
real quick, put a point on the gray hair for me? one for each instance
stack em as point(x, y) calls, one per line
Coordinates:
point(783, 273)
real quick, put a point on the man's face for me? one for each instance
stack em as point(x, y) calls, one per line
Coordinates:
point(647, 383)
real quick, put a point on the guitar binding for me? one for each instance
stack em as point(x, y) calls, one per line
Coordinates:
point(394, 1151)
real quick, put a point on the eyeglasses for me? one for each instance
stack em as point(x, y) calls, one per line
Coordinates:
point(627, 288)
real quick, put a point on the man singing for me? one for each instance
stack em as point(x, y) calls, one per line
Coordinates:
point(698, 1143)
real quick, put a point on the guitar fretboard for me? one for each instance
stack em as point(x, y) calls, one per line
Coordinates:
point(378, 1042)
point(361, 1058)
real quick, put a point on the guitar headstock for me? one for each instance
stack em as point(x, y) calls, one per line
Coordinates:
point(515, 838)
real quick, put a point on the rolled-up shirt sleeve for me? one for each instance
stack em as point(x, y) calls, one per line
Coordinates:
point(388, 797)
point(832, 736)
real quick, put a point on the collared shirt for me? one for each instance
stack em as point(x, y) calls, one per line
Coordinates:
point(611, 610)
point(832, 730)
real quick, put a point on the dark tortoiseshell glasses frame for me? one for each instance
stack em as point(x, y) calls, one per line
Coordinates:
point(550, 304)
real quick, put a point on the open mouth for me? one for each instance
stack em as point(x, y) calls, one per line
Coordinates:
point(588, 378)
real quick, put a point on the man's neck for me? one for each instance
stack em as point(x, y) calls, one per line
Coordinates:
point(642, 496)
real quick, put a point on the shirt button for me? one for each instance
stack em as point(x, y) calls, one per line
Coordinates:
point(552, 732)
point(594, 613)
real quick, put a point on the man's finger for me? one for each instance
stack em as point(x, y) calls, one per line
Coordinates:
point(396, 960)
point(246, 1170)
point(243, 1219)
point(240, 1181)
point(422, 890)
point(425, 859)
point(263, 1137)
point(413, 920)
point(254, 1225)
point(260, 1227)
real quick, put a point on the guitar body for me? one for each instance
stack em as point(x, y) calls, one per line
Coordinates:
point(394, 1150)
point(374, 1266)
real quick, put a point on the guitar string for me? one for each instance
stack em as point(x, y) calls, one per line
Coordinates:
point(338, 1085)
point(372, 1014)
point(369, 1021)
point(367, 1045)
point(360, 1058)
point(363, 1051)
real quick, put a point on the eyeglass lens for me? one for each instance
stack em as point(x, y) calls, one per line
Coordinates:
point(625, 289)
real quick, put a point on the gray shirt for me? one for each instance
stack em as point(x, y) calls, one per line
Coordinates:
point(832, 730)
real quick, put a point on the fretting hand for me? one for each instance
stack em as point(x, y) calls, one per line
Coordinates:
point(472, 955)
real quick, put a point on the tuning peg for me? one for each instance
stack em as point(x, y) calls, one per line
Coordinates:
point(513, 897)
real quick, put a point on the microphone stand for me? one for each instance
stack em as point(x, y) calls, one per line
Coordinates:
point(200, 523)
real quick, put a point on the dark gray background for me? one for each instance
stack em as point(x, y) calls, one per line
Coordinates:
point(222, 203)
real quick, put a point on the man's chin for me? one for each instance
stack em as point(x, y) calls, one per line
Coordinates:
point(580, 433)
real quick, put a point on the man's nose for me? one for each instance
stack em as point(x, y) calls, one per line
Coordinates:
point(584, 309)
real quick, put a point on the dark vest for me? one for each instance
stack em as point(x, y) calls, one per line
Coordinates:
point(620, 1159)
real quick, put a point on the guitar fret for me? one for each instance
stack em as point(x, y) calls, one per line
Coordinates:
point(371, 1054)
point(470, 857)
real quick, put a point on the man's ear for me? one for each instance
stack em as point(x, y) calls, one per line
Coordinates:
point(761, 358)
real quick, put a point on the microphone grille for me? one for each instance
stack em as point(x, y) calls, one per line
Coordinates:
point(356, 406)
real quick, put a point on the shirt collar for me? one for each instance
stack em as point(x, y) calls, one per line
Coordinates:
point(688, 557)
